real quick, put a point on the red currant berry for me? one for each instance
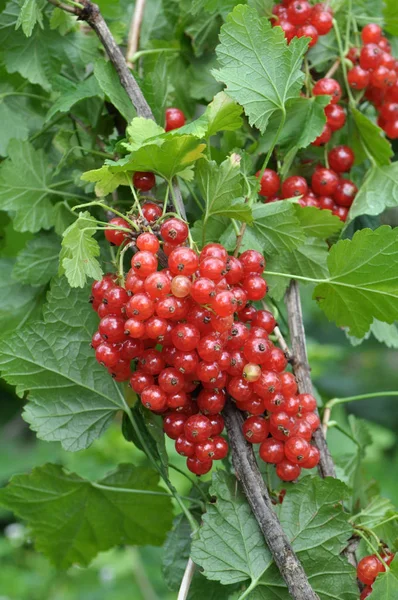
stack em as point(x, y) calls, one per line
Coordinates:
point(257, 350)
point(328, 87)
point(341, 159)
point(186, 362)
point(115, 236)
point(252, 262)
point(371, 34)
point(180, 286)
point(255, 287)
point(236, 363)
point(288, 29)
point(281, 425)
point(312, 460)
point(353, 55)
point(211, 402)
point(301, 428)
point(140, 380)
point(267, 385)
point(324, 137)
point(312, 419)
point(198, 467)
point(171, 381)
point(221, 448)
point(341, 212)
point(307, 403)
point(391, 129)
point(183, 446)
point(144, 264)
point(154, 398)
point(203, 290)
point(297, 450)
point(368, 569)
point(212, 268)
point(239, 389)
point(173, 425)
point(287, 471)
point(365, 592)
point(298, 12)
point(335, 116)
point(96, 340)
point(151, 211)
point(234, 270)
point(151, 361)
point(308, 31)
point(157, 285)
point(255, 430)
point(140, 307)
point(383, 78)
point(322, 20)
point(254, 405)
point(134, 328)
point(294, 186)
point(183, 261)
point(217, 425)
point(112, 329)
point(358, 78)
point(324, 182)
point(272, 451)
point(270, 182)
point(205, 450)
point(370, 57)
point(175, 118)
point(265, 320)
point(210, 348)
point(143, 181)
point(345, 193)
point(224, 304)
point(148, 242)
point(174, 231)
point(214, 250)
point(197, 428)
point(178, 400)
point(107, 354)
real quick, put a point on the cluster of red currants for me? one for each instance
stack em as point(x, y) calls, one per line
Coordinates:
point(368, 569)
point(298, 18)
point(376, 71)
point(328, 189)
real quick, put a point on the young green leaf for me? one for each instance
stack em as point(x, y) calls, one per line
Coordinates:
point(109, 82)
point(362, 285)
point(222, 114)
point(143, 131)
point(386, 585)
point(106, 180)
point(72, 399)
point(71, 93)
point(156, 85)
point(38, 261)
point(126, 507)
point(31, 13)
point(28, 196)
point(78, 258)
point(378, 192)
point(62, 21)
point(261, 71)
point(372, 138)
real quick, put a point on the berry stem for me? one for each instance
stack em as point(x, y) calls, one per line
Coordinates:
point(106, 207)
point(274, 143)
point(343, 64)
point(186, 580)
point(141, 53)
point(336, 401)
point(362, 531)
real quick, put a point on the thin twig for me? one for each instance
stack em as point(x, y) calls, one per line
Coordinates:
point(333, 68)
point(134, 31)
point(302, 370)
point(186, 580)
point(62, 6)
point(326, 418)
point(257, 495)
point(240, 239)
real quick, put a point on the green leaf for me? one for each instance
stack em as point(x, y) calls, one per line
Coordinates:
point(384, 333)
point(71, 93)
point(221, 187)
point(38, 261)
point(378, 192)
point(381, 517)
point(28, 196)
point(89, 517)
point(372, 138)
point(348, 465)
point(156, 85)
point(318, 223)
point(176, 552)
point(151, 431)
point(31, 13)
point(386, 585)
point(391, 17)
point(261, 71)
point(72, 399)
point(106, 181)
point(109, 83)
point(314, 520)
point(142, 131)
point(78, 258)
point(62, 21)
point(215, 227)
point(222, 114)
point(361, 286)
point(275, 229)
point(19, 303)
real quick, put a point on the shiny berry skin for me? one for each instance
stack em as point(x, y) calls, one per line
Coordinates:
point(324, 182)
point(371, 34)
point(221, 448)
point(270, 183)
point(264, 319)
point(174, 231)
point(341, 159)
point(370, 57)
point(298, 12)
point(224, 304)
point(211, 402)
point(151, 361)
point(236, 363)
point(107, 354)
point(183, 261)
point(134, 328)
point(391, 129)
point(267, 385)
point(341, 212)
point(358, 78)
point(214, 250)
point(294, 186)
point(288, 29)
point(210, 348)
point(287, 471)
point(185, 336)
point(148, 242)
point(115, 236)
point(205, 450)
point(302, 429)
point(197, 428)
point(217, 424)
point(207, 371)
point(180, 286)
point(335, 116)
point(96, 340)
point(383, 78)
point(288, 383)
point(133, 284)
point(254, 405)
point(308, 31)
point(297, 450)
point(239, 389)
point(326, 203)
point(328, 87)
point(307, 403)
point(212, 268)
point(140, 307)
point(272, 451)
point(312, 460)
point(175, 118)
point(144, 263)
point(171, 381)
point(173, 425)
point(184, 447)
point(154, 398)
point(116, 297)
point(252, 262)
point(312, 419)
point(157, 285)
point(198, 467)
point(234, 270)
point(203, 290)
point(112, 329)
point(255, 430)
point(281, 426)
point(368, 569)
point(140, 380)
point(322, 20)
point(178, 400)
point(257, 350)
point(255, 287)
point(292, 404)
point(324, 137)
point(389, 111)
point(99, 288)
point(345, 193)
point(365, 592)
point(144, 180)
point(151, 211)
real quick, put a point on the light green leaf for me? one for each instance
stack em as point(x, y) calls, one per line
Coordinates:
point(38, 261)
point(372, 138)
point(27, 195)
point(275, 229)
point(381, 516)
point(362, 284)
point(71, 93)
point(109, 83)
point(378, 192)
point(106, 181)
point(222, 114)
point(80, 250)
point(261, 71)
point(62, 21)
point(348, 466)
point(318, 223)
point(73, 519)
point(143, 131)
point(156, 85)
point(391, 17)
point(221, 187)
point(31, 13)
point(384, 333)
point(386, 585)
point(72, 399)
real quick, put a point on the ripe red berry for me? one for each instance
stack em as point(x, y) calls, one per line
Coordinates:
point(324, 182)
point(175, 118)
point(341, 159)
point(112, 329)
point(173, 425)
point(335, 116)
point(298, 12)
point(269, 184)
point(324, 137)
point(294, 186)
point(198, 467)
point(307, 403)
point(140, 307)
point(371, 34)
point(214, 250)
point(328, 87)
point(358, 78)
point(257, 350)
point(116, 236)
point(184, 447)
point(252, 262)
point(264, 319)
point(174, 231)
point(341, 212)
point(205, 450)
point(183, 261)
point(391, 129)
point(239, 389)
point(107, 354)
point(288, 383)
point(254, 405)
point(383, 77)
point(140, 380)
point(312, 460)
point(151, 211)
point(210, 348)
point(143, 180)
point(255, 430)
point(212, 268)
point(148, 242)
point(154, 398)
point(297, 450)
point(267, 385)
point(96, 340)
point(365, 592)
point(370, 57)
point(368, 569)
point(224, 304)
point(151, 361)
point(281, 425)
point(185, 336)
point(217, 425)
point(345, 193)
point(287, 471)
point(197, 428)
point(144, 263)
point(288, 29)
point(220, 448)
point(322, 20)
point(211, 402)
point(308, 31)
point(272, 451)
point(255, 287)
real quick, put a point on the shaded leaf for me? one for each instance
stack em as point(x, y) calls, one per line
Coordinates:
point(378, 192)
point(71, 93)
point(372, 137)
point(109, 82)
point(318, 223)
point(38, 261)
point(391, 17)
point(78, 258)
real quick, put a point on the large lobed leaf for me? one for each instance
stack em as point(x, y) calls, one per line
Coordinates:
point(73, 519)
point(378, 192)
point(72, 399)
point(261, 71)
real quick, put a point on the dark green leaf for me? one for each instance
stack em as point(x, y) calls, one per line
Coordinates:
point(72, 399)
point(38, 261)
point(78, 258)
point(176, 552)
point(151, 436)
point(109, 83)
point(73, 519)
point(19, 303)
point(378, 192)
point(71, 93)
point(215, 227)
point(260, 70)
point(372, 138)
point(318, 223)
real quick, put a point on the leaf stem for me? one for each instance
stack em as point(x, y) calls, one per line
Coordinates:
point(35, 96)
point(140, 53)
point(102, 205)
point(274, 143)
point(342, 59)
point(336, 401)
